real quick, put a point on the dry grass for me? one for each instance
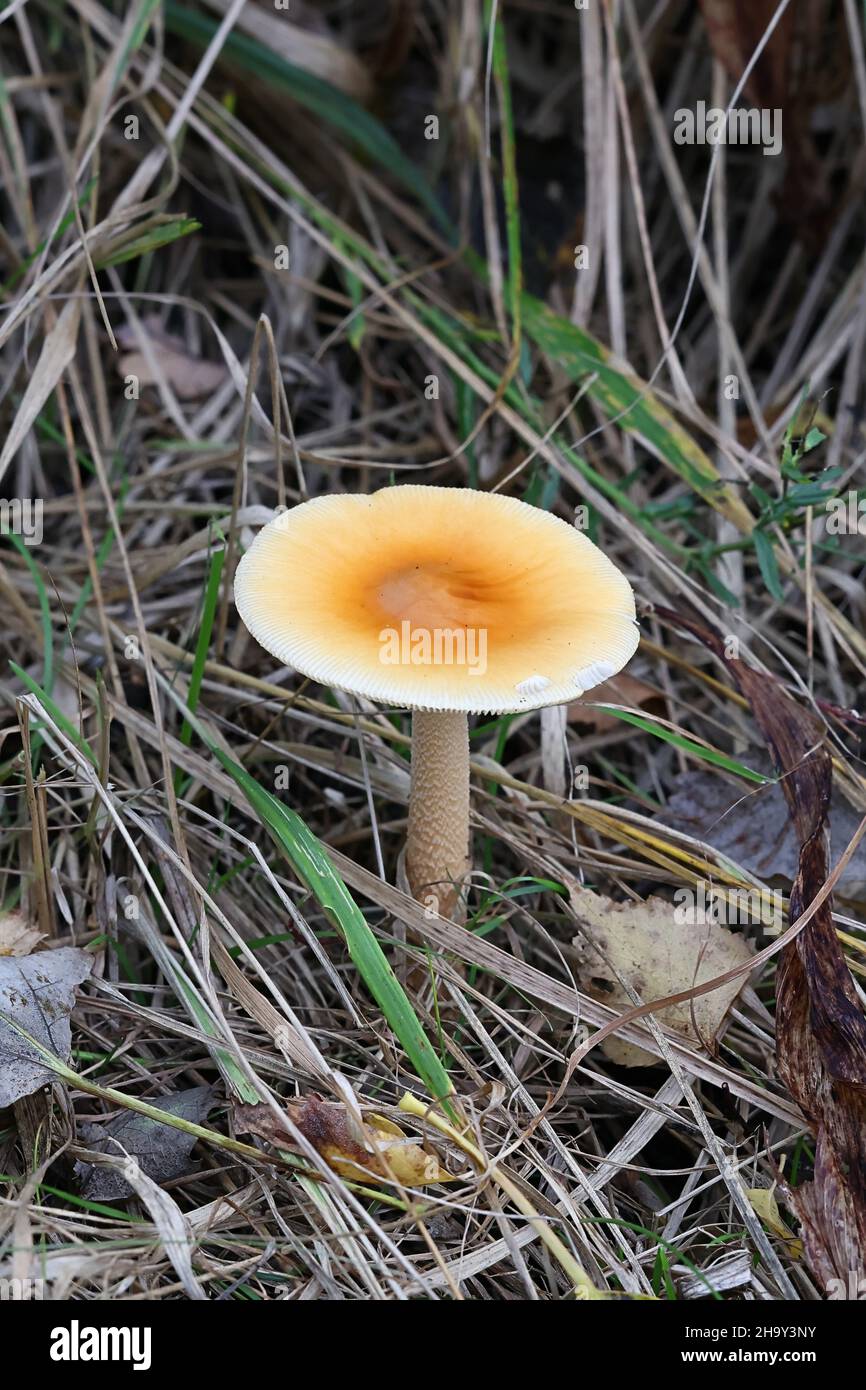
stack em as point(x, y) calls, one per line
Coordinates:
point(151, 858)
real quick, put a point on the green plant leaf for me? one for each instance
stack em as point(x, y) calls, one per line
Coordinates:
point(768, 564)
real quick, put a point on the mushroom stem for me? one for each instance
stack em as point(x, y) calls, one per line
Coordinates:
point(437, 844)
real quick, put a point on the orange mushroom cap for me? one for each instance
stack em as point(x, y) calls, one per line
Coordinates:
point(437, 599)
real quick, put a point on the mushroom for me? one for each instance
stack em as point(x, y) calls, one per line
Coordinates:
point(447, 601)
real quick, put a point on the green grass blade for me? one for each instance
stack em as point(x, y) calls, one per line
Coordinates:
point(579, 354)
point(509, 174)
point(44, 609)
point(318, 96)
point(157, 237)
point(688, 745)
point(204, 635)
point(104, 549)
point(57, 714)
point(140, 26)
point(189, 995)
point(312, 864)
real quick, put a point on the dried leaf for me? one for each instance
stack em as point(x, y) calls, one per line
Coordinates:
point(317, 52)
point(804, 65)
point(657, 954)
point(37, 994)
point(623, 689)
point(755, 830)
point(187, 376)
point(16, 937)
point(58, 350)
point(377, 1152)
point(735, 28)
point(820, 1028)
point(161, 1151)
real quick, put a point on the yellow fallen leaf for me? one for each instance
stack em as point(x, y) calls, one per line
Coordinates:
point(658, 952)
point(764, 1202)
point(376, 1151)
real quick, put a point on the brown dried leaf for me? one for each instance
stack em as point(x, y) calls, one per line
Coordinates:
point(187, 376)
point(623, 689)
point(735, 28)
point(378, 1152)
point(804, 65)
point(657, 955)
point(820, 1027)
point(16, 937)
